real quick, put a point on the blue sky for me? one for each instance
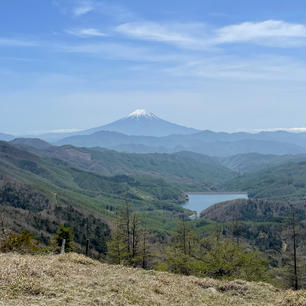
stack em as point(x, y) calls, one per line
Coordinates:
point(210, 64)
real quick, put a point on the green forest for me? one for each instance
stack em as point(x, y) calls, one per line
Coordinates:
point(135, 217)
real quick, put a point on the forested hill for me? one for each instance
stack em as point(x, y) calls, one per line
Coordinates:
point(265, 225)
point(262, 176)
point(254, 162)
point(34, 191)
point(255, 210)
point(197, 171)
point(26, 208)
point(286, 181)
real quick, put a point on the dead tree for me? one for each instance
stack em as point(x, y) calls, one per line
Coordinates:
point(293, 223)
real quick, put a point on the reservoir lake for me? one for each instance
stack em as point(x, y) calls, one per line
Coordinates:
point(200, 201)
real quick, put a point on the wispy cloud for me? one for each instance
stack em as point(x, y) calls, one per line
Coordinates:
point(13, 42)
point(274, 33)
point(83, 8)
point(19, 59)
point(118, 12)
point(122, 51)
point(87, 32)
point(56, 131)
point(267, 68)
point(184, 35)
point(270, 32)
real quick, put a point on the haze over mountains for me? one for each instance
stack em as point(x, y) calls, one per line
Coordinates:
point(139, 123)
point(144, 132)
point(5, 137)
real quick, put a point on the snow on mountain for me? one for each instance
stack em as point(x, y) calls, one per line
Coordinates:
point(138, 113)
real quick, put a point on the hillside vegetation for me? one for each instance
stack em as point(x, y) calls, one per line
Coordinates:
point(265, 225)
point(253, 162)
point(38, 193)
point(286, 182)
point(42, 187)
point(71, 280)
point(196, 171)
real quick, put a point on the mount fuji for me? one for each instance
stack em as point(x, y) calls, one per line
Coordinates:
point(143, 123)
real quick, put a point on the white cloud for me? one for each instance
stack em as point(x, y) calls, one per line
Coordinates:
point(274, 33)
point(270, 32)
point(88, 32)
point(291, 130)
point(57, 131)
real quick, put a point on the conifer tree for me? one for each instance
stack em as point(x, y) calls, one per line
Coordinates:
point(116, 247)
point(63, 233)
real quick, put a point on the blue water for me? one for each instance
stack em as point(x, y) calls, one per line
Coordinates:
point(199, 202)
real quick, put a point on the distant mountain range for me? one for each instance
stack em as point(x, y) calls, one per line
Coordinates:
point(5, 137)
point(143, 132)
point(206, 142)
point(31, 142)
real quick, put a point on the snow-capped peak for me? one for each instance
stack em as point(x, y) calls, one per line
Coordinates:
point(141, 113)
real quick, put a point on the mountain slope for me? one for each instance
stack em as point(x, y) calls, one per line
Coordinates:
point(254, 210)
point(43, 280)
point(24, 207)
point(31, 142)
point(286, 181)
point(195, 170)
point(97, 194)
point(252, 162)
point(141, 122)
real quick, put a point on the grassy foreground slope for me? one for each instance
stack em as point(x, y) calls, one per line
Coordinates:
point(73, 279)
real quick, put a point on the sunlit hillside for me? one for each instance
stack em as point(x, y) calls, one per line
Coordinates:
point(71, 280)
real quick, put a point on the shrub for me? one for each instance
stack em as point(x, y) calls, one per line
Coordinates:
point(20, 243)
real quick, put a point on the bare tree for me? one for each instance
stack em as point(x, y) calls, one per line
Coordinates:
point(293, 223)
point(145, 248)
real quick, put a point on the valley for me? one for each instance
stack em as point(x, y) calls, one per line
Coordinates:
point(246, 196)
point(152, 153)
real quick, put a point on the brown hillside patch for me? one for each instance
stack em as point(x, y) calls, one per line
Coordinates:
point(74, 280)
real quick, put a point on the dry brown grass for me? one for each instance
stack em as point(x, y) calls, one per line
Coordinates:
point(75, 280)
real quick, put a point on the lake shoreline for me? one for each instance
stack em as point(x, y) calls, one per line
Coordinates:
point(216, 192)
point(199, 201)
